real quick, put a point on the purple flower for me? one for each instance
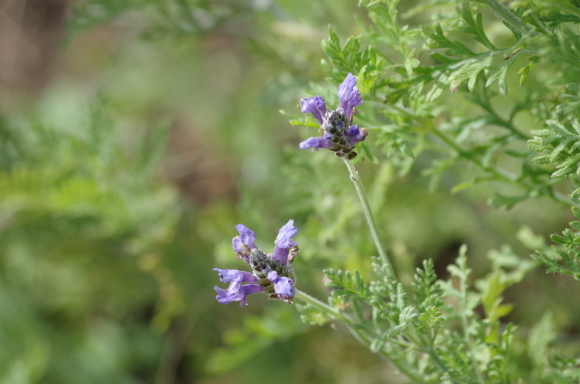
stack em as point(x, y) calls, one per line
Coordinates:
point(338, 134)
point(284, 243)
point(271, 274)
point(314, 105)
point(349, 96)
point(244, 243)
point(226, 296)
point(315, 143)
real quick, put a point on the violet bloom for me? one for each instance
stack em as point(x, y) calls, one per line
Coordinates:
point(271, 274)
point(338, 134)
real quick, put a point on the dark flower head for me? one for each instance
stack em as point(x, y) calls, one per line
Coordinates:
point(338, 134)
point(271, 274)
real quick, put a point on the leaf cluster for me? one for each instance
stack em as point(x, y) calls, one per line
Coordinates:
point(451, 339)
point(565, 257)
point(562, 143)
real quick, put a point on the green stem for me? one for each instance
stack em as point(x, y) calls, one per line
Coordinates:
point(359, 334)
point(356, 332)
point(468, 156)
point(427, 346)
point(466, 335)
point(499, 174)
point(358, 313)
point(390, 273)
point(343, 318)
point(322, 306)
point(485, 103)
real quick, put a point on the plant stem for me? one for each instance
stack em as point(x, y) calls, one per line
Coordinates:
point(321, 306)
point(342, 317)
point(468, 156)
point(390, 273)
point(356, 332)
point(498, 173)
point(465, 327)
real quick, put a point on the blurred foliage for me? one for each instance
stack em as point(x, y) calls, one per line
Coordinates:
point(122, 180)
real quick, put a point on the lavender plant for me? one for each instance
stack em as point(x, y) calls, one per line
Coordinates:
point(447, 331)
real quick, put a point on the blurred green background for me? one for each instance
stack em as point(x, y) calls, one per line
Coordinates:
point(135, 135)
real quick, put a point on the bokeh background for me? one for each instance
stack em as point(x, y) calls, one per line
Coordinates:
point(134, 136)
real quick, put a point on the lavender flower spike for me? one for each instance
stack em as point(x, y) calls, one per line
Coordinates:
point(271, 274)
point(338, 134)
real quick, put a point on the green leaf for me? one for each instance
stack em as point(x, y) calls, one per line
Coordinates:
point(501, 76)
point(575, 224)
point(377, 345)
point(407, 315)
point(351, 46)
point(368, 152)
point(462, 186)
point(559, 239)
point(541, 160)
point(333, 38)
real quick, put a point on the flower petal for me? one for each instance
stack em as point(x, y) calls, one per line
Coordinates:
point(314, 105)
point(233, 275)
point(356, 134)
point(246, 235)
point(284, 242)
point(284, 287)
point(349, 95)
point(243, 243)
point(315, 143)
point(227, 296)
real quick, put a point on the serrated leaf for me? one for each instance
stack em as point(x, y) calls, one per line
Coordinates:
point(333, 37)
point(541, 132)
point(563, 172)
point(559, 239)
point(395, 330)
point(559, 149)
point(469, 71)
point(575, 224)
point(407, 314)
point(501, 76)
point(351, 46)
point(541, 160)
point(358, 282)
point(524, 72)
